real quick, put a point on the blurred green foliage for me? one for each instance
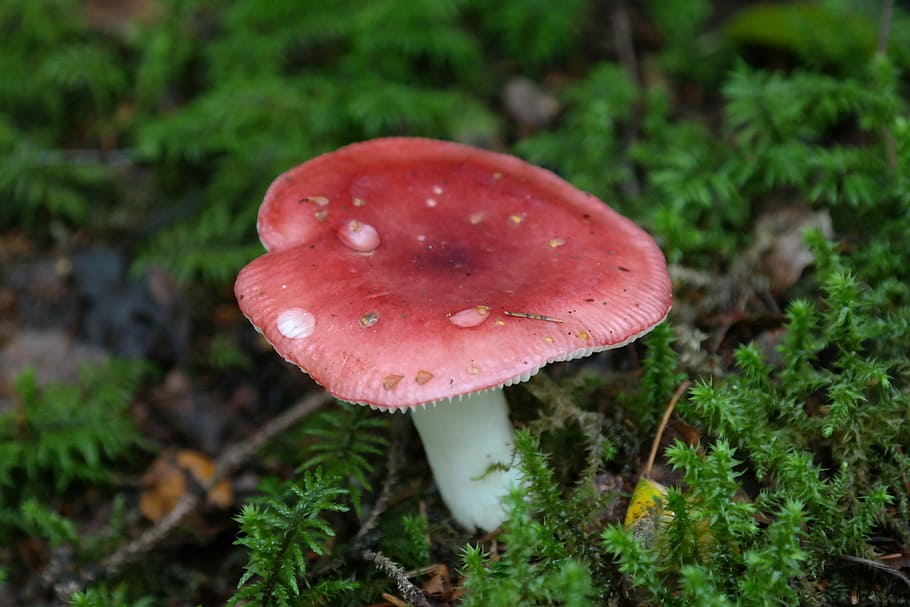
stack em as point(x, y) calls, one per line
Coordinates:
point(825, 35)
point(60, 437)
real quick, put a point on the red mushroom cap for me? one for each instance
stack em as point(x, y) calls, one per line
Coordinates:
point(403, 271)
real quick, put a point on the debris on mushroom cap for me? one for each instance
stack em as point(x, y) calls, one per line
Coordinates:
point(454, 304)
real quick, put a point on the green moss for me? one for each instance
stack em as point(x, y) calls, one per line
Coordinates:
point(181, 122)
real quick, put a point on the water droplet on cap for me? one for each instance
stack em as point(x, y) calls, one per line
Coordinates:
point(296, 323)
point(369, 319)
point(359, 236)
point(557, 242)
point(470, 317)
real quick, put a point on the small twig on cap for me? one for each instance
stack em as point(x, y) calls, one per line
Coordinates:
point(396, 573)
point(680, 390)
point(225, 465)
point(532, 316)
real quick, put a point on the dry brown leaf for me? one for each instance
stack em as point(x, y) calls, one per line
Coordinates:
point(394, 600)
point(780, 238)
point(165, 482)
point(119, 17)
point(203, 468)
point(439, 585)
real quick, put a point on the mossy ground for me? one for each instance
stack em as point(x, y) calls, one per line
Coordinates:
point(766, 147)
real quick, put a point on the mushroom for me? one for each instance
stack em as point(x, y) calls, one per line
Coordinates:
point(421, 275)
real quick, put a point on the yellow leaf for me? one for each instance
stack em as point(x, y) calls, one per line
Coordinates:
point(647, 510)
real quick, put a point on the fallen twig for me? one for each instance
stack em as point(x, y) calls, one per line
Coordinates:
point(884, 26)
point(393, 466)
point(225, 465)
point(363, 537)
point(396, 573)
point(625, 51)
point(884, 31)
point(877, 565)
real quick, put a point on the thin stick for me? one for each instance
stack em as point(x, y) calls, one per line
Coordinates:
point(364, 536)
point(225, 465)
point(680, 390)
point(532, 316)
point(625, 50)
point(235, 456)
point(877, 565)
point(884, 31)
point(884, 26)
point(396, 573)
point(393, 467)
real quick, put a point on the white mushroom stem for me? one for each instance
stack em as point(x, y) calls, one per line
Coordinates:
point(471, 452)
